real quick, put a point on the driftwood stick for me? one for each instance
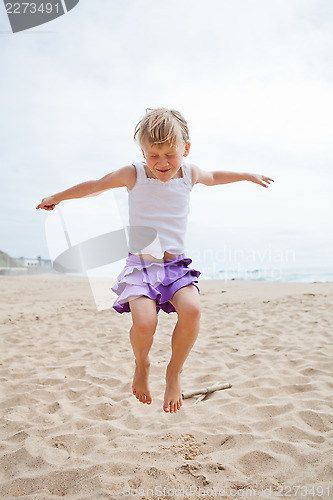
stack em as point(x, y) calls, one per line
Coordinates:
point(199, 399)
point(202, 397)
point(206, 390)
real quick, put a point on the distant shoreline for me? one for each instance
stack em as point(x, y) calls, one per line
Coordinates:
point(296, 276)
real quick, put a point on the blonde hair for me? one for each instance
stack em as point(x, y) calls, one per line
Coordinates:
point(161, 125)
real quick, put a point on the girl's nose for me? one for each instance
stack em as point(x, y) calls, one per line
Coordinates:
point(163, 163)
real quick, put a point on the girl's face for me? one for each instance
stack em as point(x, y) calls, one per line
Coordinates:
point(163, 160)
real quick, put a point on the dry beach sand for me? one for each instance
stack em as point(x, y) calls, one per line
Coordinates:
point(69, 426)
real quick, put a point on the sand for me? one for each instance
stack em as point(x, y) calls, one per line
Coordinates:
point(71, 428)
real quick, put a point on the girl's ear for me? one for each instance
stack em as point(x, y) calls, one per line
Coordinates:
point(187, 149)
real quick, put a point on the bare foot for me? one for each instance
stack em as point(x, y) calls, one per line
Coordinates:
point(140, 386)
point(173, 394)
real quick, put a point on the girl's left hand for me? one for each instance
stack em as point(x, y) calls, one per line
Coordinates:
point(261, 179)
point(48, 203)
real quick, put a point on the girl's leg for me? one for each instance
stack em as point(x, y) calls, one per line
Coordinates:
point(186, 301)
point(144, 319)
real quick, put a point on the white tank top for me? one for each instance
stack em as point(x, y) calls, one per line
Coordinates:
point(161, 206)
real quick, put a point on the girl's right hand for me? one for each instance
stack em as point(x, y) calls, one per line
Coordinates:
point(48, 203)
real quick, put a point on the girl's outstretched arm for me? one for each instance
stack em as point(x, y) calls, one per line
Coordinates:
point(221, 177)
point(125, 176)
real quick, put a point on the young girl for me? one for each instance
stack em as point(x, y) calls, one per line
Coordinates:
point(157, 273)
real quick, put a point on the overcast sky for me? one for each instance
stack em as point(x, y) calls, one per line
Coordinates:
point(252, 78)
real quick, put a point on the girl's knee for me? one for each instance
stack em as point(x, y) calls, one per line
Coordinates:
point(144, 316)
point(145, 326)
point(191, 311)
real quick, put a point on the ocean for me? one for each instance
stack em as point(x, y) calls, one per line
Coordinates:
point(300, 275)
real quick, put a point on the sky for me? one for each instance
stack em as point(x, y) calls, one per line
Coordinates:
point(254, 82)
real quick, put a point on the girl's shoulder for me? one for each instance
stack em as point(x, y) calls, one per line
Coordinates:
point(131, 174)
point(201, 176)
point(127, 175)
point(195, 170)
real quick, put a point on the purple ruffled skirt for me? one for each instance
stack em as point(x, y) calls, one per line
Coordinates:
point(156, 280)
